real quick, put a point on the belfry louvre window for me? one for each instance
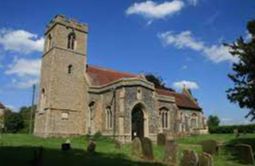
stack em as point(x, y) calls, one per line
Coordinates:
point(164, 115)
point(108, 119)
point(71, 41)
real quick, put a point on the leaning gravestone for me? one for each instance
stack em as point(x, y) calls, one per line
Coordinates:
point(205, 159)
point(190, 158)
point(147, 148)
point(117, 144)
point(91, 148)
point(171, 150)
point(161, 139)
point(245, 154)
point(210, 146)
point(137, 147)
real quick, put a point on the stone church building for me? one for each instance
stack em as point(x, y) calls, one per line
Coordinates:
point(76, 98)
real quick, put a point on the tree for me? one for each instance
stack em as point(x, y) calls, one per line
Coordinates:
point(157, 81)
point(243, 76)
point(25, 112)
point(213, 121)
point(13, 122)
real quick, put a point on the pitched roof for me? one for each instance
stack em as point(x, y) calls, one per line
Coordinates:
point(1, 105)
point(101, 76)
point(182, 100)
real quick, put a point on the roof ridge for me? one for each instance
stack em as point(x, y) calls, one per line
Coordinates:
point(111, 70)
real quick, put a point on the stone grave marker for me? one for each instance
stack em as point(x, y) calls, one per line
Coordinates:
point(171, 150)
point(91, 148)
point(245, 153)
point(147, 148)
point(205, 159)
point(210, 146)
point(137, 147)
point(161, 139)
point(66, 146)
point(190, 158)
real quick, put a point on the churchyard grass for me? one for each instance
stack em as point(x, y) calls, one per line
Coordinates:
point(17, 149)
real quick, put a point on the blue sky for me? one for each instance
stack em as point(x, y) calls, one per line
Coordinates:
point(178, 40)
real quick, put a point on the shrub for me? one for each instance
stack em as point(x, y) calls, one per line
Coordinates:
point(229, 129)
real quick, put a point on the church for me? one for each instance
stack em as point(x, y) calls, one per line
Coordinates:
point(76, 98)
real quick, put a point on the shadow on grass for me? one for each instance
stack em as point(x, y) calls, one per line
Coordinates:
point(24, 156)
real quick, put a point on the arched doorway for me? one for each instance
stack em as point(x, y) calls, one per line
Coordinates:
point(137, 122)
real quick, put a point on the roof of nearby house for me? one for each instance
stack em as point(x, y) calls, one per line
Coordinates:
point(100, 76)
point(1, 106)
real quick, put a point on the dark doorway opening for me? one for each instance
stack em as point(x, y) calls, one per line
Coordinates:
point(137, 122)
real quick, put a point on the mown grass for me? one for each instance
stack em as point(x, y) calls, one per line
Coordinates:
point(18, 149)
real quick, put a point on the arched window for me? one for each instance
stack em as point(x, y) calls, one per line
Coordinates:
point(71, 41)
point(194, 120)
point(108, 120)
point(91, 108)
point(70, 67)
point(49, 42)
point(164, 115)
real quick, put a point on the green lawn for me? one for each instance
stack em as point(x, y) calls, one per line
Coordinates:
point(18, 149)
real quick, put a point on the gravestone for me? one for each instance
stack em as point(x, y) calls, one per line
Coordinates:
point(236, 132)
point(91, 148)
point(210, 146)
point(147, 148)
point(171, 150)
point(66, 146)
point(137, 147)
point(245, 154)
point(205, 159)
point(38, 157)
point(117, 144)
point(161, 139)
point(190, 158)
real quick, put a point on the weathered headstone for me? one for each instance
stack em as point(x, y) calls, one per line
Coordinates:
point(117, 144)
point(66, 146)
point(210, 146)
point(205, 159)
point(236, 132)
point(91, 148)
point(137, 147)
point(161, 139)
point(171, 150)
point(38, 157)
point(190, 158)
point(147, 148)
point(245, 154)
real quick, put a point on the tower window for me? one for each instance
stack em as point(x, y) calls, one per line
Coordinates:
point(70, 68)
point(71, 41)
point(49, 42)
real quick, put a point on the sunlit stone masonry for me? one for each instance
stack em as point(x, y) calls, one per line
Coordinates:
point(76, 98)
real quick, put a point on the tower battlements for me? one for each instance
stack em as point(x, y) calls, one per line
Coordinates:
point(69, 23)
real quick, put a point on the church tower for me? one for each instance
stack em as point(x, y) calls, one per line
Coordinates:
point(62, 104)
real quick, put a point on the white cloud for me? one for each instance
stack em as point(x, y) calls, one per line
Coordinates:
point(153, 10)
point(193, 2)
point(215, 53)
point(26, 71)
point(187, 84)
point(25, 67)
point(20, 41)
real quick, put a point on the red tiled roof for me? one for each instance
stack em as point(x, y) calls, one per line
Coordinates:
point(182, 101)
point(101, 76)
point(1, 105)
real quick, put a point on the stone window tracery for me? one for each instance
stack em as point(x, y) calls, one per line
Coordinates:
point(109, 122)
point(164, 115)
point(71, 41)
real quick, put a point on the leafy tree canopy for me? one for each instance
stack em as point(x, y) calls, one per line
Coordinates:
point(243, 76)
point(157, 81)
point(213, 121)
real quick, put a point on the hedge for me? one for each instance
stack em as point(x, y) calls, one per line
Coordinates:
point(230, 129)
